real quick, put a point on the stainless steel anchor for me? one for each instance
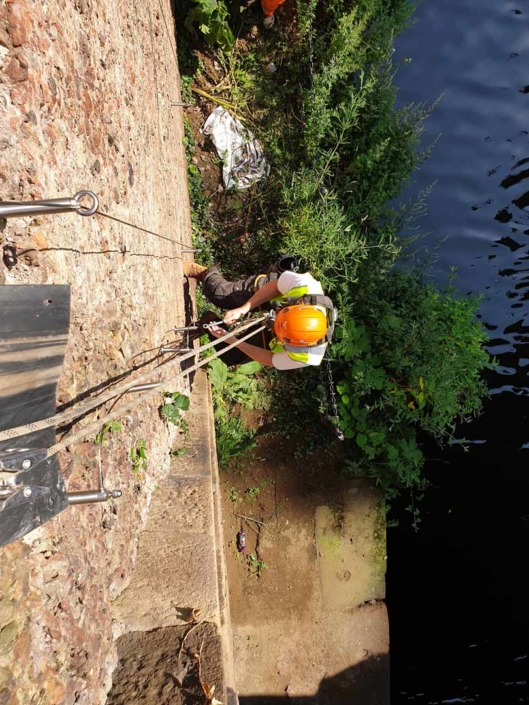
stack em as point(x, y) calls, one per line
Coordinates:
point(99, 495)
point(18, 209)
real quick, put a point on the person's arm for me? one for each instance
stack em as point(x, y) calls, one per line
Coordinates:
point(264, 357)
point(262, 296)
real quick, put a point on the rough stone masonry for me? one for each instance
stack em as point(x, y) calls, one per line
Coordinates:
point(85, 91)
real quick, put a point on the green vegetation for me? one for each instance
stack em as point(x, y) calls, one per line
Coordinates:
point(174, 404)
point(252, 493)
point(108, 428)
point(138, 456)
point(211, 18)
point(407, 357)
point(413, 365)
point(233, 495)
point(255, 565)
point(233, 388)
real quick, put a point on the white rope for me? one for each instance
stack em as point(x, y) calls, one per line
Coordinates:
point(66, 417)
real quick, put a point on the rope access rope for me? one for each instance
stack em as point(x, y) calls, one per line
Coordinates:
point(95, 426)
point(65, 417)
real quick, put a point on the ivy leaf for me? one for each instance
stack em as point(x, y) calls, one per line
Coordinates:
point(181, 401)
point(171, 413)
point(361, 439)
point(249, 368)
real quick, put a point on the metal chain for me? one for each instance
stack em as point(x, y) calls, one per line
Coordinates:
point(329, 396)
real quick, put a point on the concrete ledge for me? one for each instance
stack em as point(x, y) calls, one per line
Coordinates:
point(181, 564)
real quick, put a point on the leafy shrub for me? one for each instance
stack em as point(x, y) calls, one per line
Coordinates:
point(412, 364)
point(235, 386)
point(211, 18)
point(174, 404)
point(232, 438)
point(231, 387)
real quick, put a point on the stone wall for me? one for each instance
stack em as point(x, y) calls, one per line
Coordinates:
point(85, 91)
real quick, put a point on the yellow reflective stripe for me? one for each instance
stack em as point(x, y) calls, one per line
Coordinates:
point(276, 346)
point(295, 293)
point(299, 357)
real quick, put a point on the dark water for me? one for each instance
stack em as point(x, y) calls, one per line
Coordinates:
point(458, 591)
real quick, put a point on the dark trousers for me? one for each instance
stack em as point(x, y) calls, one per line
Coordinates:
point(225, 294)
point(229, 295)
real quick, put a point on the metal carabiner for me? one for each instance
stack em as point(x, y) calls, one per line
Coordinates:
point(212, 324)
point(18, 209)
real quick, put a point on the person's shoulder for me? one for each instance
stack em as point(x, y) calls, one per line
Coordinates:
point(293, 280)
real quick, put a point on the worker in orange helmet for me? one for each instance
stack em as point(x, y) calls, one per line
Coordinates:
point(304, 318)
point(269, 8)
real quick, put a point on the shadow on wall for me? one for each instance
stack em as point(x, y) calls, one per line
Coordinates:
point(367, 683)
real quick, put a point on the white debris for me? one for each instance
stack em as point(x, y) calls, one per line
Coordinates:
point(241, 154)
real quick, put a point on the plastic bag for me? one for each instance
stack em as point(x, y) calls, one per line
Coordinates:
point(242, 155)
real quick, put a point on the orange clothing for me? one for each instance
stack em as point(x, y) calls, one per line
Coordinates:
point(270, 6)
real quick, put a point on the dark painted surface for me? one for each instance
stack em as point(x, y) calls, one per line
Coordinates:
point(457, 590)
point(33, 319)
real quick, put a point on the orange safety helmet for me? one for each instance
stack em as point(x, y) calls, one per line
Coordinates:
point(301, 325)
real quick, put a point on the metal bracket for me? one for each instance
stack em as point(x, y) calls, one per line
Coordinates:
point(11, 493)
point(99, 495)
point(18, 459)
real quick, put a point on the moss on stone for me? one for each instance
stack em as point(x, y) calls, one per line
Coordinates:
point(329, 542)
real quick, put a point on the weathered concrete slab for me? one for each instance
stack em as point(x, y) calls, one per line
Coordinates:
point(351, 546)
point(180, 562)
point(314, 627)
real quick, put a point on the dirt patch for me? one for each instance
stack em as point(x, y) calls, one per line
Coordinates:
point(290, 639)
point(166, 667)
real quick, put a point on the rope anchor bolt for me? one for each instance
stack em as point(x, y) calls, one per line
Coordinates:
point(18, 209)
